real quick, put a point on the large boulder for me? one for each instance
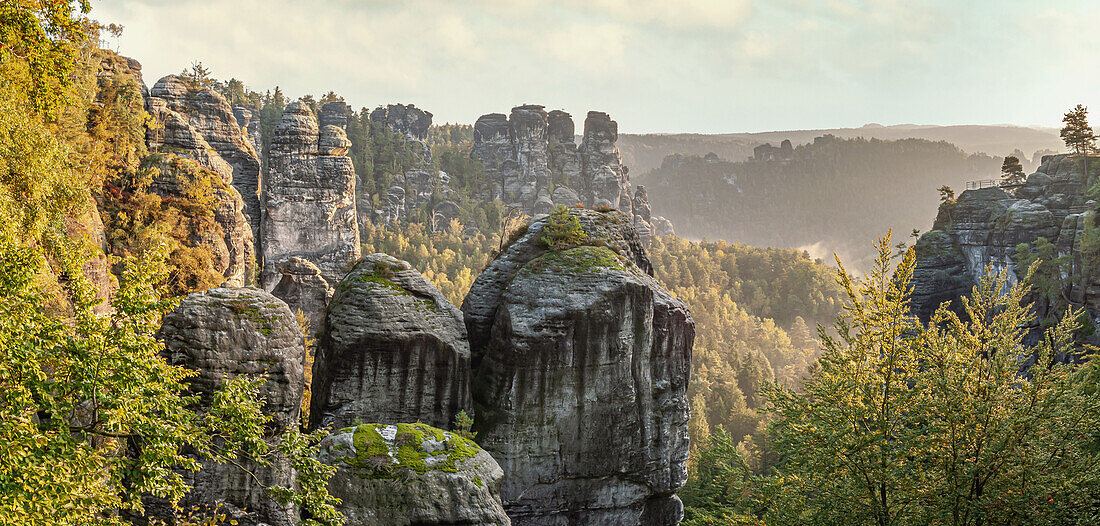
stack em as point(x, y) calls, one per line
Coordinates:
point(412, 475)
point(582, 365)
point(393, 350)
point(230, 332)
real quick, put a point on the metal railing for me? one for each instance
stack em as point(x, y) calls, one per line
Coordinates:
point(989, 183)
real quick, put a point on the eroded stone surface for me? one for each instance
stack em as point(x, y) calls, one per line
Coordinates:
point(582, 363)
point(394, 350)
point(309, 198)
point(412, 474)
point(230, 332)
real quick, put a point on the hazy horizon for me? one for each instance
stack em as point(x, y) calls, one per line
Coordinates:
point(736, 66)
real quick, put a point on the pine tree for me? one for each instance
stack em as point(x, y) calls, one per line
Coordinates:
point(1078, 135)
point(1012, 172)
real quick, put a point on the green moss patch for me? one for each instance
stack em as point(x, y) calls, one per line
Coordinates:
point(578, 260)
point(408, 451)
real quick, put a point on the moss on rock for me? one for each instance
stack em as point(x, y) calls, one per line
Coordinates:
point(390, 451)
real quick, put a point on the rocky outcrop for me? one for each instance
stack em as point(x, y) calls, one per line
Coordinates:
point(662, 227)
point(231, 332)
point(411, 122)
point(250, 125)
point(230, 244)
point(198, 123)
point(405, 119)
point(309, 198)
point(534, 164)
point(394, 350)
point(304, 289)
point(334, 113)
point(602, 167)
point(581, 368)
point(413, 190)
point(983, 228)
point(643, 215)
point(412, 475)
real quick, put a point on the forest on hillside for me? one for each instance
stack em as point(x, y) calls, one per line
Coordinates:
point(833, 195)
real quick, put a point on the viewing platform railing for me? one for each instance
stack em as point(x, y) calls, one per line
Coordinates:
point(989, 183)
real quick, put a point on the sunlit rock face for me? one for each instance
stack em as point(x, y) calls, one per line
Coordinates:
point(198, 123)
point(309, 198)
point(582, 362)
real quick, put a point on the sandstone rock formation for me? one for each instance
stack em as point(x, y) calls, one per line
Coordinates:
point(198, 123)
point(394, 350)
point(250, 125)
point(230, 243)
point(334, 113)
point(582, 362)
point(230, 332)
point(412, 475)
point(534, 164)
point(303, 288)
point(984, 226)
point(309, 198)
point(412, 190)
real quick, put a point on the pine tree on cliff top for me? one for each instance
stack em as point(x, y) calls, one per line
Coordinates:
point(1078, 135)
point(1012, 172)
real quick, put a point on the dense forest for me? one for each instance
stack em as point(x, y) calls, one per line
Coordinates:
point(832, 196)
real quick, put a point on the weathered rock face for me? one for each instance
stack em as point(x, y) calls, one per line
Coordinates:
point(394, 350)
point(414, 189)
point(643, 215)
point(303, 288)
point(531, 156)
point(250, 125)
point(199, 124)
point(662, 227)
point(412, 475)
point(230, 332)
point(334, 114)
point(582, 363)
point(231, 245)
point(309, 198)
point(983, 228)
point(602, 166)
point(406, 119)
point(409, 121)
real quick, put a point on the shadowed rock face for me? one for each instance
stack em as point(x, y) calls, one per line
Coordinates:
point(458, 483)
point(394, 350)
point(230, 332)
point(309, 198)
point(582, 363)
point(984, 227)
point(198, 123)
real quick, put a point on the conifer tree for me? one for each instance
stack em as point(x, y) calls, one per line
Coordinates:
point(1078, 135)
point(1012, 172)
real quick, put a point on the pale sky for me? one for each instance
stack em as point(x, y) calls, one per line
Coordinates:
point(706, 66)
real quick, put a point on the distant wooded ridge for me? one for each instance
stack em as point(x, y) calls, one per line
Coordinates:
point(644, 152)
